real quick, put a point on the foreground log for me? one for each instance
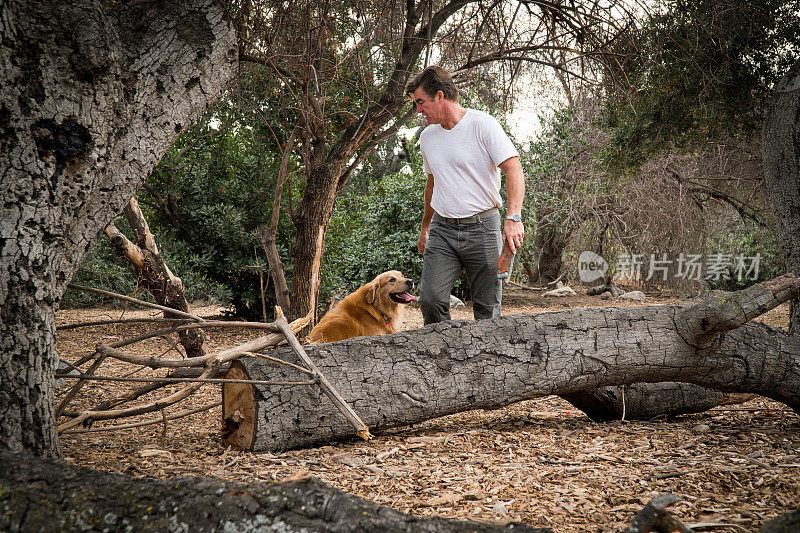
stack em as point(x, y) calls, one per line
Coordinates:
point(654, 517)
point(455, 366)
point(90, 500)
point(782, 524)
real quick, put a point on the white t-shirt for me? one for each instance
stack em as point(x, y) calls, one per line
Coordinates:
point(464, 162)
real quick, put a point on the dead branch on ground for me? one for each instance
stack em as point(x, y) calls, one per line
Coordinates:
point(194, 372)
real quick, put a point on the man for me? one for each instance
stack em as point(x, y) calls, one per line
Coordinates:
point(463, 152)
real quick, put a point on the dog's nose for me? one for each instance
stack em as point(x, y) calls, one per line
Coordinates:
point(410, 284)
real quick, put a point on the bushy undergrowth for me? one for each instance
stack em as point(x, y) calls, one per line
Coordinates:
point(103, 269)
point(376, 230)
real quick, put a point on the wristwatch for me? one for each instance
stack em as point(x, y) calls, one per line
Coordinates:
point(516, 217)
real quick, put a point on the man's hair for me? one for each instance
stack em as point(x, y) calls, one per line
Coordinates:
point(432, 80)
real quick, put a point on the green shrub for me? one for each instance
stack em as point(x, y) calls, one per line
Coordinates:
point(376, 230)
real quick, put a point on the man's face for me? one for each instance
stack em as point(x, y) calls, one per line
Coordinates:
point(429, 107)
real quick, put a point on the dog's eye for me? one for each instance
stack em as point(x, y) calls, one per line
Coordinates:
point(392, 280)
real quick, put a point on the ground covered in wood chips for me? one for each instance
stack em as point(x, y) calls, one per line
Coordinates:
point(540, 462)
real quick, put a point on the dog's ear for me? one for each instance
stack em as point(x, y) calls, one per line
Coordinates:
point(372, 291)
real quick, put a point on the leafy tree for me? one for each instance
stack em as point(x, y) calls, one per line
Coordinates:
point(693, 71)
point(703, 201)
point(212, 192)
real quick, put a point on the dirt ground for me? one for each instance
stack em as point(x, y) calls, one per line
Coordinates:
point(540, 462)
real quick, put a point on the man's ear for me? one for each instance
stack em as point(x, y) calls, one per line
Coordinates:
point(372, 292)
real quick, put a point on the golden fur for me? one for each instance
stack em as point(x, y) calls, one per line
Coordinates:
point(368, 311)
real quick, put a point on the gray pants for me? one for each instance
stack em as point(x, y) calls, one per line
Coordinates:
point(451, 247)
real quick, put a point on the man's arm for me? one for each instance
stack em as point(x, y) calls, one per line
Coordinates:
point(514, 232)
point(427, 215)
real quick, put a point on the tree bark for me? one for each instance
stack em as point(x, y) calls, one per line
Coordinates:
point(781, 151)
point(445, 368)
point(783, 524)
point(84, 117)
point(311, 222)
point(153, 273)
point(91, 500)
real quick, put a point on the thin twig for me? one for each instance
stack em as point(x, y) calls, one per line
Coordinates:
point(77, 386)
point(126, 342)
point(120, 321)
point(142, 409)
point(135, 301)
point(187, 380)
point(279, 362)
point(211, 363)
point(164, 430)
point(145, 422)
point(183, 324)
point(129, 397)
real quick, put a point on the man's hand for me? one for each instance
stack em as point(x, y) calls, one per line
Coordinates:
point(422, 241)
point(513, 234)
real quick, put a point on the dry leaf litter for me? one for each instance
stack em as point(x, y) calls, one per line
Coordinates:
point(541, 462)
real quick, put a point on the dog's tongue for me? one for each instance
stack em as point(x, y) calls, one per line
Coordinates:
point(407, 297)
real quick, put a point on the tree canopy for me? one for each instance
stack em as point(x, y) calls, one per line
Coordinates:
point(694, 71)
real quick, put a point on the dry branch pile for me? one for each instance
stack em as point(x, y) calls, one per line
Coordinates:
point(193, 371)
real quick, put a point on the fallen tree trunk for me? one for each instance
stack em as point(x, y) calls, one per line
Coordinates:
point(445, 368)
point(91, 500)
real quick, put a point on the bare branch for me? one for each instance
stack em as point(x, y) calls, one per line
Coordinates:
point(373, 144)
point(146, 422)
point(167, 380)
point(135, 301)
point(269, 234)
point(92, 323)
point(133, 411)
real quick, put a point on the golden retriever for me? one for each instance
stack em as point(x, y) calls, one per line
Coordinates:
point(374, 309)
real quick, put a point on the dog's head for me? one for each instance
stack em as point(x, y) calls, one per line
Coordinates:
point(390, 287)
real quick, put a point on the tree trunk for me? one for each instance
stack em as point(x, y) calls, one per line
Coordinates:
point(445, 368)
point(99, 501)
point(311, 222)
point(153, 273)
point(328, 172)
point(84, 117)
point(781, 150)
point(269, 233)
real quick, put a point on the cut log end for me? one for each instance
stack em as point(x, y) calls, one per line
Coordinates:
point(239, 410)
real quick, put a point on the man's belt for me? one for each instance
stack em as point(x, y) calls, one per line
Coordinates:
point(474, 219)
